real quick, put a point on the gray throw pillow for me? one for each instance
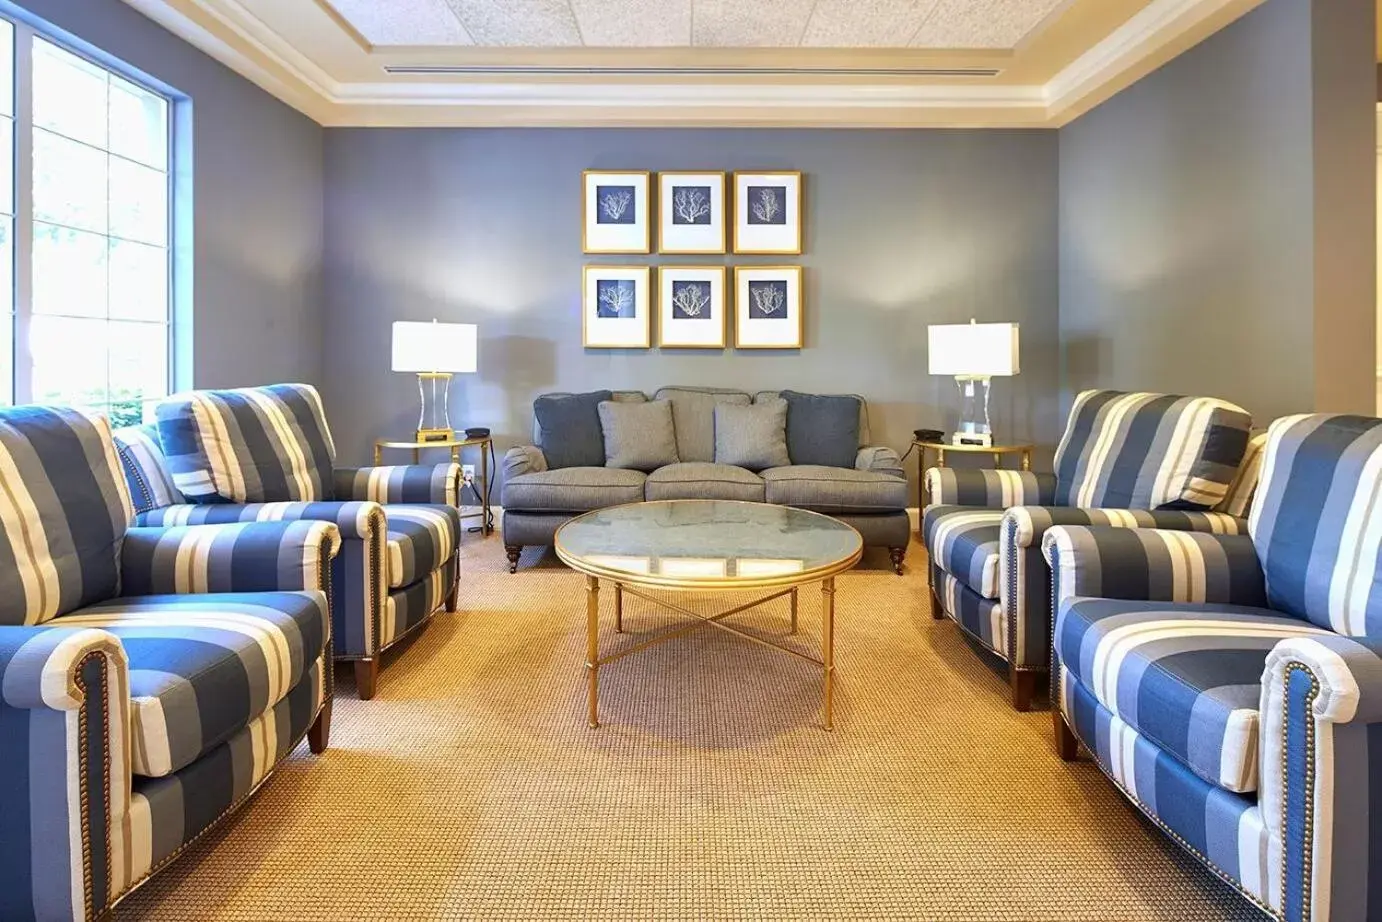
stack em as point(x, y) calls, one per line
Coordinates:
point(570, 427)
point(638, 436)
point(822, 429)
point(753, 437)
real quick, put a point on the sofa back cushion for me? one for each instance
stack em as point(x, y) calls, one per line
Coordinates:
point(865, 436)
point(822, 429)
point(248, 445)
point(1241, 490)
point(569, 427)
point(638, 436)
point(693, 414)
point(146, 469)
point(1149, 451)
point(1317, 521)
point(63, 513)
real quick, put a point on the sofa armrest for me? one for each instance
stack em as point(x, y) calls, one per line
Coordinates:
point(352, 518)
point(240, 557)
point(1321, 707)
point(523, 459)
point(879, 460)
point(1155, 565)
point(404, 483)
point(1028, 524)
point(64, 701)
point(999, 489)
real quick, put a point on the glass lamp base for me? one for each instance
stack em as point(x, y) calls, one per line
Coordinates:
point(434, 422)
point(974, 428)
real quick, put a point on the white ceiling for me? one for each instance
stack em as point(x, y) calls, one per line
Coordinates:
point(957, 24)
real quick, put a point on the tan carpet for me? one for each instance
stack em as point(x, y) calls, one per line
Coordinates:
point(470, 787)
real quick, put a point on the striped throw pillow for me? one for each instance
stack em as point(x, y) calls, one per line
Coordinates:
point(146, 470)
point(1149, 451)
point(63, 513)
point(248, 445)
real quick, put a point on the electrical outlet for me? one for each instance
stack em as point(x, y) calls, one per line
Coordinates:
point(468, 471)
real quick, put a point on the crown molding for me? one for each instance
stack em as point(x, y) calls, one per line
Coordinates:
point(229, 32)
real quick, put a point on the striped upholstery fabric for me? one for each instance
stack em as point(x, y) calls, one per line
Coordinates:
point(146, 470)
point(1185, 676)
point(63, 514)
point(420, 540)
point(1315, 522)
point(406, 608)
point(242, 557)
point(248, 445)
point(981, 618)
point(1149, 451)
point(407, 483)
point(1243, 488)
point(964, 542)
point(202, 667)
point(1226, 831)
point(948, 486)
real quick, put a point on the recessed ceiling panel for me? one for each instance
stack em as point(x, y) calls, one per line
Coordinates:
point(982, 23)
point(403, 22)
point(518, 23)
point(865, 23)
point(633, 23)
point(749, 23)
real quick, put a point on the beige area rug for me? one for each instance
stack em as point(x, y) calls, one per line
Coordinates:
point(470, 788)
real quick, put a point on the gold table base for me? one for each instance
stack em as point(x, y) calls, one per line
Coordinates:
point(593, 662)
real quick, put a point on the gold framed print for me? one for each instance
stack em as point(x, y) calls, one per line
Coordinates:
point(692, 213)
point(615, 215)
point(767, 213)
point(691, 305)
point(767, 307)
point(614, 308)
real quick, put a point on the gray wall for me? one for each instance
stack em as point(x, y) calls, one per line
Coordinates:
point(903, 229)
point(256, 203)
point(1217, 219)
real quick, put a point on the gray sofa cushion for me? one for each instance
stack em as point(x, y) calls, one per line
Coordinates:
point(834, 489)
point(865, 435)
point(822, 429)
point(701, 480)
point(693, 412)
point(570, 425)
point(754, 437)
point(638, 436)
point(573, 489)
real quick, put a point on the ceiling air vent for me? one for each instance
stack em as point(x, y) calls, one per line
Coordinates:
point(517, 70)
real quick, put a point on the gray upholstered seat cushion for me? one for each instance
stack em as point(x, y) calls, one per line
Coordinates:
point(702, 480)
point(834, 489)
point(573, 489)
point(693, 412)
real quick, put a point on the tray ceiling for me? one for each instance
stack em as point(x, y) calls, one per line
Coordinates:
point(812, 63)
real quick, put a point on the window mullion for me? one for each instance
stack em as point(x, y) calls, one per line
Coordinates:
point(23, 211)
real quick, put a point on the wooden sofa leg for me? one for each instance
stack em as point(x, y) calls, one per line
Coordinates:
point(937, 611)
point(319, 734)
point(452, 597)
point(897, 554)
point(1024, 688)
point(513, 550)
point(1067, 745)
point(366, 677)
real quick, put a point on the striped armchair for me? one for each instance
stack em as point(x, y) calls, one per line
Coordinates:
point(150, 679)
point(1126, 460)
point(1231, 686)
point(266, 454)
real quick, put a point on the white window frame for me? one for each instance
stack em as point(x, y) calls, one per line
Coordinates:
point(21, 384)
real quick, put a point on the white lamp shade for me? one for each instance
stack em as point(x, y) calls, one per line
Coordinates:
point(973, 350)
point(434, 346)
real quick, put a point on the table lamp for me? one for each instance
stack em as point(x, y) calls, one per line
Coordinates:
point(973, 353)
point(434, 351)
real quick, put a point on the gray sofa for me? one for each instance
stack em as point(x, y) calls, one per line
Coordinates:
point(871, 496)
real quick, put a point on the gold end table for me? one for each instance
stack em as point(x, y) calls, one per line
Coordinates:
point(455, 446)
point(941, 448)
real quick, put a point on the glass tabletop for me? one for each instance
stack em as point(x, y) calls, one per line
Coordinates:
point(708, 544)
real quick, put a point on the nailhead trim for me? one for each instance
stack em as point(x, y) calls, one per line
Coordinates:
point(1308, 845)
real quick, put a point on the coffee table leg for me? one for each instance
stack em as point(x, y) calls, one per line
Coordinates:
point(618, 608)
point(794, 609)
point(592, 647)
point(828, 648)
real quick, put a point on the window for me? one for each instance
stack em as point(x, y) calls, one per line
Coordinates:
point(91, 321)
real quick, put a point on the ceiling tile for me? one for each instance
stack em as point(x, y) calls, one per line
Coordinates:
point(749, 23)
point(865, 23)
point(981, 23)
point(403, 22)
point(633, 23)
point(527, 23)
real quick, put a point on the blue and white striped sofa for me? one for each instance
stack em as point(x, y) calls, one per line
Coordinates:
point(266, 454)
point(1125, 460)
point(150, 679)
point(1231, 686)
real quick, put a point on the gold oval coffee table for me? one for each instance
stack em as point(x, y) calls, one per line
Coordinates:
point(698, 545)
